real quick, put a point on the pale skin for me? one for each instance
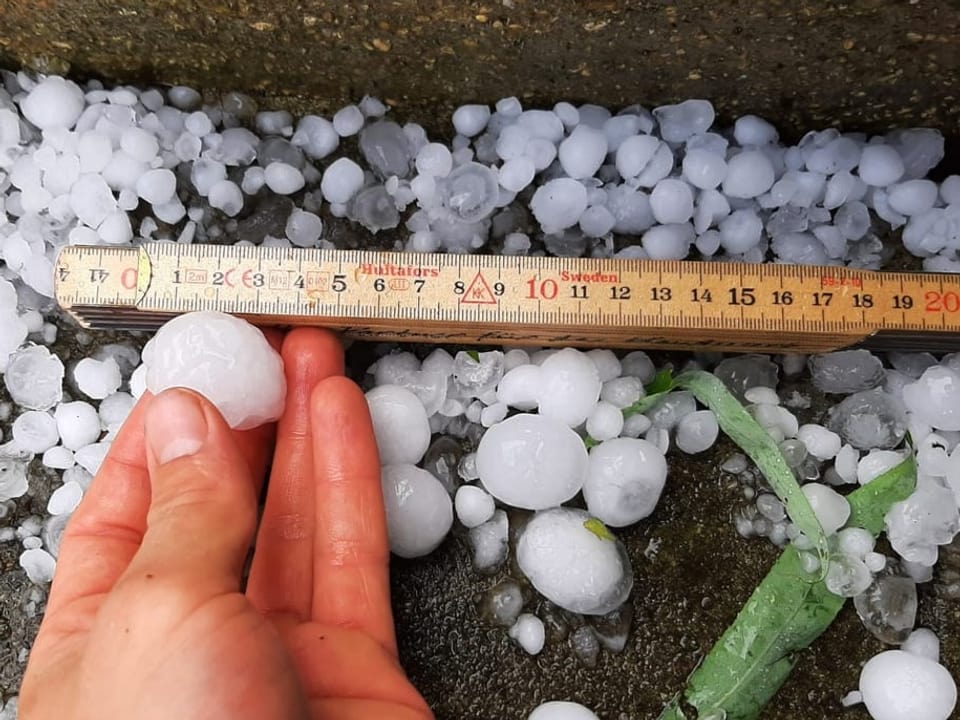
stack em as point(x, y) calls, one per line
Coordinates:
point(148, 617)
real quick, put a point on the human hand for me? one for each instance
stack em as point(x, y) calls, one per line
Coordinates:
point(146, 617)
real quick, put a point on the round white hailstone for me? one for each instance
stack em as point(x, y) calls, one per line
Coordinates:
point(316, 136)
point(65, 499)
point(92, 200)
point(934, 399)
point(704, 169)
point(198, 123)
point(597, 221)
point(898, 685)
point(529, 633)
point(634, 154)
point(39, 565)
point(913, 196)
point(749, 174)
point(35, 431)
point(875, 561)
point(820, 442)
point(697, 431)
point(348, 121)
point(875, 463)
point(516, 173)
point(624, 481)
point(418, 508)
point(492, 414)
point(855, 542)
point(607, 362)
point(115, 408)
point(573, 563)
point(139, 144)
point(668, 242)
point(622, 392)
point(605, 422)
point(582, 153)
point(34, 378)
point(531, 462)
point(400, 424)
point(924, 643)
point(520, 387)
point(558, 204)
point(470, 120)
point(226, 196)
point(434, 159)
point(950, 190)
point(304, 228)
point(116, 229)
point(569, 387)
point(639, 365)
point(341, 181)
point(96, 378)
point(474, 506)
point(157, 186)
point(58, 458)
point(671, 201)
point(740, 231)
point(681, 121)
point(752, 130)
point(556, 710)
point(880, 165)
point(845, 463)
point(220, 357)
point(283, 179)
point(78, 424)
point(53, 103)
point(830, 507)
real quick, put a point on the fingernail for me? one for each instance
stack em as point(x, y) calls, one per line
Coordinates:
point(175, 425)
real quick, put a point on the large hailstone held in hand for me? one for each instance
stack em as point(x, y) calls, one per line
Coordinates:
point(531, 462)
point(223, 358)
point(575, 562)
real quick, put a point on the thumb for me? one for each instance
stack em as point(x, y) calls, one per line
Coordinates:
point(203, 506)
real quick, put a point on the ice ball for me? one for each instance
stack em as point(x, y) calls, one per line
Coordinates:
point(223, 358)
point(418, 508)
point(53, 103)
point(569, 387)
point(935, 398)
point(556, 710)
point(625, 478)
point(574, 562)
point(400, 424)
point(898, 685)
point(532, 462)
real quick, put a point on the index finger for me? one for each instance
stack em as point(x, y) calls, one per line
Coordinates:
point(351, 547)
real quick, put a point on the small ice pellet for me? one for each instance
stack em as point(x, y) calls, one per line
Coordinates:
point(283, 179)
point(304, 228)
point(831, 508)
point(77, 423)
point(35, 431)
point(474, 506)
point(924, 643)
point(703, 169)
point(607, 363)
point(348, 121)
point(582, 153)
point(875, 463)
point(58, 458)
point(875, 561)
point(681, 121)
point(697, 431)
point(517, 173)
point(672, 201)
point(418, 508)
point(557, 710)
point(226, 196)
point(912, 197)
point(845, 463)
point(221, 357)
point(558, 204)
point(529, 633)
point(341, 181)
point(65, 499)
point(622, 392)
point(820, 442)
point(749, 174)
point(434, 159)
point(898, 685)
point(752, 130)
point(139, 144)
point(935, 398)
point(668, 242)
point(400, 424)
point(97, 378)
point(624, 481)
point(470, 120)
point(605, 422)
point(39, 565)
point(880, 165)
point(492, 414)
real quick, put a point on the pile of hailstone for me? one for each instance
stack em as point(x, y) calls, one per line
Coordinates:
point(528, 451)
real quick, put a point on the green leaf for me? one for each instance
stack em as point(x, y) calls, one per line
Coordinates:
point(785, 614)
point(746, 432)
point(599, 529)
point(590, 442)
point(656, 390)
point(474, 354)
point(662, 382)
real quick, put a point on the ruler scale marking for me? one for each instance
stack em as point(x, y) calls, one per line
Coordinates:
point(526, 300)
